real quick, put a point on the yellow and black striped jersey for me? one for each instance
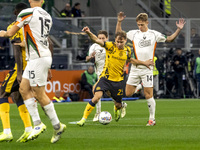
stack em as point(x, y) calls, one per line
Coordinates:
point(19, 34)
point(115, 60)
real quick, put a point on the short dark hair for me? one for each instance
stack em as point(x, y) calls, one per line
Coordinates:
point(121, 34)
point(19, 7)
point(76, 4)
point(178, 48)
point(103, 32)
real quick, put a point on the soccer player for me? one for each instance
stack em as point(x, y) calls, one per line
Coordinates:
point(111, 78)
point(36, 23)
point(11, 86)
point(99, 54)
point(144, 45)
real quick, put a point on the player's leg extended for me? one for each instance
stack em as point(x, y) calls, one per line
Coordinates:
point(6, 135)
point(117, 95)
point(117, 110)
point(98, 111)
point(47, 105)
point(49, 110)
point(30, 101)
point(31, 105)
point(24, 116)
point(90, 106)
point(98, 108)
point(148, 92)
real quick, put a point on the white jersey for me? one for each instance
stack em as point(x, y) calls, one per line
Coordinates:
point(144, 43)
point(100, 57)
point(36, 23)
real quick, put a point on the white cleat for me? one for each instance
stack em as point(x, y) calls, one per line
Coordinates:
point(123, 113)
point(57, 133)
point(96, 117)
point(6, 137)
point(36, 131)
point(24, 137)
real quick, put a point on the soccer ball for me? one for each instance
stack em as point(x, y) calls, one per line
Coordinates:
point(105, 117)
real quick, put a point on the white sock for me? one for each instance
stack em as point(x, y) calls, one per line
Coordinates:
point(98, 106)
point(152, 108)
point(31, 105)
point(7, 131)
point(51, 113)
point(28, 129)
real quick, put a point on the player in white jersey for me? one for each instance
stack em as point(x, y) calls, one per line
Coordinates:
point(99, 54)
point(144, 45)
point(36, 23)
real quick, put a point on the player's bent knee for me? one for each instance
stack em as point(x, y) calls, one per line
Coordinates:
point(95, 100)
point(129, 94)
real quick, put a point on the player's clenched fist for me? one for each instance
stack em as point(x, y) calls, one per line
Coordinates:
point(86, 29)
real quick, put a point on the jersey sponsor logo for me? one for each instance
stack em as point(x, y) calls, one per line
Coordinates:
point(118, 58)
point(120, 54)
point(144, 43)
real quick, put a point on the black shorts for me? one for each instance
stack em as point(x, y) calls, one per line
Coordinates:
point(10, 83)
point(115, 88)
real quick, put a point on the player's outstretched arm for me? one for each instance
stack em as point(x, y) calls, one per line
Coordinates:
point(180, 24)
point(120, 18)
point(146, 63)
point(92, 36)
point(10, 32)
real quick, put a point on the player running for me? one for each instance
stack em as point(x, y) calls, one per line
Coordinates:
point(111, 78)
point(98, 53)
point(144, 45)
point(11, 86)
point(37, 24)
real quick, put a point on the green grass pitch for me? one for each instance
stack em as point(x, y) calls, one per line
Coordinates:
point(178, 128)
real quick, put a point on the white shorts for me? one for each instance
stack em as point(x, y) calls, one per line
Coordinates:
point(36, 71)
point(137, 75)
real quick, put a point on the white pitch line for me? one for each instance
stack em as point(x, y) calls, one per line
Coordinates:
point(132, 125)
point(160, 118)
point(74, 122)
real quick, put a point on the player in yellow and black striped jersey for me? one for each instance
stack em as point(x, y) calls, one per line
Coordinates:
point(115, 60)
point(10, 86)
point(111, 78)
